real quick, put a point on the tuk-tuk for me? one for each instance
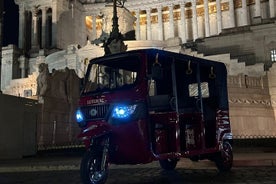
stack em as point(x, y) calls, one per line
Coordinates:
point(151, 105)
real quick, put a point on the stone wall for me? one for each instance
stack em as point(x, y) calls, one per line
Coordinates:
point(10, 65)
point(24, 87)
point(19, 118)
point(57, 125)
point(58, 101)
point(59, 97)
point(272, 86)
point(251, 97)
point(251, 111)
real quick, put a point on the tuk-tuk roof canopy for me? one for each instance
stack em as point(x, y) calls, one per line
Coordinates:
point(163, 53)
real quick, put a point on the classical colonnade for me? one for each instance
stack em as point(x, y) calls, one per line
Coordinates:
point(155, 21)
point(37, 28)
point(193, 17)
point(183, 28)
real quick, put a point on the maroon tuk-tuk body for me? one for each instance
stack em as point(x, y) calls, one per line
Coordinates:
point(153, 105)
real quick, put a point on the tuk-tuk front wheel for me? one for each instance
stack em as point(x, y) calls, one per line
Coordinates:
point(90, 169)
point(224, 159)
point(168, 164)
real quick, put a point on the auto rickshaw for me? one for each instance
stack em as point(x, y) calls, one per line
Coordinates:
point(151, 105)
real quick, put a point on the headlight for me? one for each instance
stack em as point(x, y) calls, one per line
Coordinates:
point(79, 116)
point(123, 111)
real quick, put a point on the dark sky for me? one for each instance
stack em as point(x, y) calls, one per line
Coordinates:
point(10, 24)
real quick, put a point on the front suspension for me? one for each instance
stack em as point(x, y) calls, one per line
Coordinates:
point(105, 152)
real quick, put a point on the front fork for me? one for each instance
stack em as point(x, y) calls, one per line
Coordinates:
point(105, 152)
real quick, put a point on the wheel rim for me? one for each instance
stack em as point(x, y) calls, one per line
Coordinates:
point(95, 174)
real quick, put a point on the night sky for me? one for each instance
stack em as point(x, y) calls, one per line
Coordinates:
point(10, 24)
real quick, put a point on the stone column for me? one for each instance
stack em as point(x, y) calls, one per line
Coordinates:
point(82, 39)
point(257, 8)
point(94, 27)
point(219, 20)
point(244, 12)
point(148, 24)
point(206, 18)
point(194, 20)
point(160, 23)
point(272, 8)
point(183, 22)
point(43, 35)
point(23, 65)
point(137, 34)
point(54, 24)
point(171, 21)
point(34, 30)
point(22, 29)
point(231, 14)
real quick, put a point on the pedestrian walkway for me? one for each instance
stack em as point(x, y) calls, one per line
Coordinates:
point(255, 157)
point(242, 158)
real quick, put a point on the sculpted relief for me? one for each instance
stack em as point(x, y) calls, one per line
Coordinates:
point(61, 84)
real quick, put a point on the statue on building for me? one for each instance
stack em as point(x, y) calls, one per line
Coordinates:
point(60, 84)
point(43, 79)
point(116, 46)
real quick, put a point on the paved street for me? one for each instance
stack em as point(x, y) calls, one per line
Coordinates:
point(147, 175)
point(250, 167)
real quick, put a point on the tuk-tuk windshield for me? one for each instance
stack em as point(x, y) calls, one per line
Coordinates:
point(112, 74)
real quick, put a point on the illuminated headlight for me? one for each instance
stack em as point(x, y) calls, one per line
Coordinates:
point(79, 116)
point(123, 111)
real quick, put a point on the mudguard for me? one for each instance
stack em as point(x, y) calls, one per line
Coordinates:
point(93, 130)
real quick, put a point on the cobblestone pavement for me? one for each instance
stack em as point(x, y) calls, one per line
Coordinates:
point(238, 175)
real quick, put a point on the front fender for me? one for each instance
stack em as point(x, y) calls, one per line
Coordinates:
point(93, 130)
point(228, 137)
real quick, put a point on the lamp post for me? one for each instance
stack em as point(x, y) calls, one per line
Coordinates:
point(115, 25)
point(115, 44)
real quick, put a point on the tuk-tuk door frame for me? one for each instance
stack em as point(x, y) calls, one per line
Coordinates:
point(177, 126)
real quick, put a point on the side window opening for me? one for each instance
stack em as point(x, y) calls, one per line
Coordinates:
point(193, 90)
point(159, 83)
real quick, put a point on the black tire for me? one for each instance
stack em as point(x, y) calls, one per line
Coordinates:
point(224, 159)
point(90, 169)
point(168, 164)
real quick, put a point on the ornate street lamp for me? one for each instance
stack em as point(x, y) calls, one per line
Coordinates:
point(115, 44)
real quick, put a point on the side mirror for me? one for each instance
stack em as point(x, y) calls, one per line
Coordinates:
point(157, 71)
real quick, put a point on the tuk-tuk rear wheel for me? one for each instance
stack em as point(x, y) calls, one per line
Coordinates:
point(224, 159)
point(168, 164)
point(90, 169)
